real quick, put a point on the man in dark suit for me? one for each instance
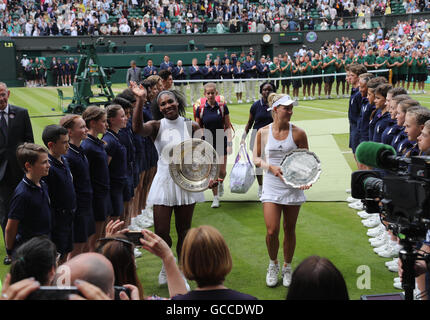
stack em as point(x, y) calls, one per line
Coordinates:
point(15, 129)
point(149, 70)
point(134, 73)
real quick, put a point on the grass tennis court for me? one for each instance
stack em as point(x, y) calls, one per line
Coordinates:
point(326, 226)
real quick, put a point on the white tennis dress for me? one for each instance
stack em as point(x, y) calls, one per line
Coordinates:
point(164, 191)
point(274, 189)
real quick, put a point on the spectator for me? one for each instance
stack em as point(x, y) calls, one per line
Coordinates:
point(317, 278)
point(206, 259)
point(36, 258)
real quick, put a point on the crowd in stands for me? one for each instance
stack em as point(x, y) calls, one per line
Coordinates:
point(97, 17)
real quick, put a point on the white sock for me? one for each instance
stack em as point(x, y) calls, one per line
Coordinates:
point(287, 265)
point(273, 262)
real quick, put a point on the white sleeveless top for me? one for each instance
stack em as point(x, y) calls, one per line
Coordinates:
point(164, 191)
point(274, 189)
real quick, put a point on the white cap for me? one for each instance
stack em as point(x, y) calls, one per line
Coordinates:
point(284, 101)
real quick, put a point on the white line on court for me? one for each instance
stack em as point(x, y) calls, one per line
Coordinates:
point(320, 109)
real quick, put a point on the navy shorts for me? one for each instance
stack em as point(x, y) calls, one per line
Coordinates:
point(83, 225)
point(101, 206)
point(117, 198)
point(286, 83)
point(340, 78)
point(62, 231)
point(317, 80)
point(329, 79)
point(354, 138)
point(297, 84)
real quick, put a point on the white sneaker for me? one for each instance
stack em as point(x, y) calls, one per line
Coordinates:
point(137, 253)
point(358, 205)
point(272, 275)
point(247, 101)
point(397, 279)
point(394, 268)
point(391, 252)
point(162, 276)
point(379, 241)
point(414, 91)
point(328, 97)
point(304, 98)
point(319, 97)
point(398, 285)
point(351, 199)
point(393, 262)
point(215, 202)
point(260, 191)
point(230, 102)
point(364, 215)
point(424, 91)
point(338, 97)
point(374, 232)
point(286, 275)
point(371, 222)
point(383, 248)
point(348, 190)
point(220, 189)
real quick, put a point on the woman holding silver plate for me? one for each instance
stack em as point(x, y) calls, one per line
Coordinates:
point(272, 144)
point(168, 130)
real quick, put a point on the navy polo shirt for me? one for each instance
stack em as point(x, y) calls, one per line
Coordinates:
point(60, 184)
point(212, 120)
point(94, 149)
point(30, 205)
point(398, 138)
point(390, 132)
point(80, 169)
point(118, 163)
point(261, 116)
point(372, 123)
point(125, 136)
point(404, 146)
point(412, 149)
point(381, 123)
point(151, 152)
point(354, 107)
point(364, 119)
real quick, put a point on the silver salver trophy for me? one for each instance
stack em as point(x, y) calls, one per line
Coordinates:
point(194, 164)
point(300, 167)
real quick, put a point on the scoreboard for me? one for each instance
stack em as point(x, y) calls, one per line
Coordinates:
point(291, 37)
point(7, 61)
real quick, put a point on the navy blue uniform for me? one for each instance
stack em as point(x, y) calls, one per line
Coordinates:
point(67, 69)
point(364, 119)
point(208, 75)
point(151, 152)
point(83, 224)
point(390, 132)
point(262, 70)
point(94, 149)
point(125, 136)
point(399, 140)
point(238, 73)
point(404, 146)
point(117, 171)
point(262, 118)
point(226, 71)
point(166, 65)
point(381, 122)
point(194, 73)
point(63, 203)
point(213, 121)
point(148, 71)
point(353, 115)
point(249, 72)
point(177, 75)
point(412, 149)
point(30, 205)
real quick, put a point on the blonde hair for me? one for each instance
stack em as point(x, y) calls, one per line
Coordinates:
point(92, 113)
point(273, 97)
point(205, 256)
point(209, 85)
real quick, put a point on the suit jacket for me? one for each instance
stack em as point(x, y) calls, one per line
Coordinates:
point(133, 75)
point(19, 131)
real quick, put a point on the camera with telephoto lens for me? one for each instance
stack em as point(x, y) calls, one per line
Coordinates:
point(401, 195)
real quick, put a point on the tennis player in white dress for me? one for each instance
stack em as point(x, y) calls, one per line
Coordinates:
point(272, 143)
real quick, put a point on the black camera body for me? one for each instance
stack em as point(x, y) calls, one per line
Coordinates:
point(401, 196)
